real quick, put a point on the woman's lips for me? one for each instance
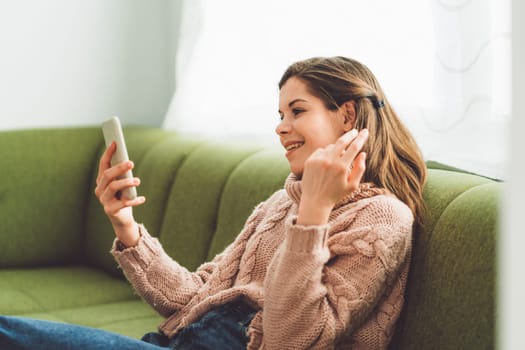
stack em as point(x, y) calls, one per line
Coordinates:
point(293, 146)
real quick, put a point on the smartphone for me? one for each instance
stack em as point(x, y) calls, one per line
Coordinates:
point(112, 131)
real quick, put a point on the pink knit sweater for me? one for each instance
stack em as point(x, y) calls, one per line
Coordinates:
point(336, 286)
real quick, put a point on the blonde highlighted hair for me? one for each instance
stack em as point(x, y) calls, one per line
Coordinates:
point(394, 160)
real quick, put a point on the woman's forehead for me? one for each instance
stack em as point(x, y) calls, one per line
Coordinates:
point(294, 89)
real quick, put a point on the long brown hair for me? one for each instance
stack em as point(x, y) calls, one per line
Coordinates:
point(394, 160)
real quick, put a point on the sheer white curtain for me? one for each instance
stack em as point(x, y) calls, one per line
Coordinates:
point(443, 64)
point(467, 123)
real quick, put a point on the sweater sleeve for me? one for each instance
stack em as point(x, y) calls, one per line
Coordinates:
point(161, 281)
point(314, 294)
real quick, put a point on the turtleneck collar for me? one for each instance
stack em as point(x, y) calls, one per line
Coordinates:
point(293, 186)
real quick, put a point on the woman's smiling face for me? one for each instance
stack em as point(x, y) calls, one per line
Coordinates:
point(306, 124)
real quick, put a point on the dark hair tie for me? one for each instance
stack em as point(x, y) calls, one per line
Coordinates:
point(378, 103)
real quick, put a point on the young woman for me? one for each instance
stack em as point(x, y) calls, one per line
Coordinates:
point(322, 263)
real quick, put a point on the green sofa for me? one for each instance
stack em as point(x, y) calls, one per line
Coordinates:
point(55, 239)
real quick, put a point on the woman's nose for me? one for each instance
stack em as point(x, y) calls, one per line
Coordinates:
point(283, 127)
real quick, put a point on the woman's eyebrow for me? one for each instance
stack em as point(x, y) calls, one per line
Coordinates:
point(296, 100)
point(292, 103)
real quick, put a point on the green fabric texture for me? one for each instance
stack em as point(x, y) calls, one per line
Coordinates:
point(77, 295)
point(44, 177)
point(41, 290)
point(450, 294)
point(193, 203)
point(441, 189)
point(55, 238)
point(253, 181)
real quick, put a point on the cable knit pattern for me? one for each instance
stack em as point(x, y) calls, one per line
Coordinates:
point(336, 286)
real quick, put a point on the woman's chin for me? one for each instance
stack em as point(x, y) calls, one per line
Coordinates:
point(297, 171)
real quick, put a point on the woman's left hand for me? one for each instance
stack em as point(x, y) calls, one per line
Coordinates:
point(331, 173)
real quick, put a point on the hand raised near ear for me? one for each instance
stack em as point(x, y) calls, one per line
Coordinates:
point(331, 173)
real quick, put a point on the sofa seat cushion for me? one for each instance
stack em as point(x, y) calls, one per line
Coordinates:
point(77, 295)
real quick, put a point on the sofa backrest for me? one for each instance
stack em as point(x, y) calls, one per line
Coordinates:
point(44, 182)
point(451, 289)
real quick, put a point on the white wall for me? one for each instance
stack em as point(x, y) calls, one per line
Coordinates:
point(66, 62)
point(511, 287)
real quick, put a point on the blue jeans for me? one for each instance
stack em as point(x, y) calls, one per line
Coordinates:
point(221, 328)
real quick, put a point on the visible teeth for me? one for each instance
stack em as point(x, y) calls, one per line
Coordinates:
point(294, 146)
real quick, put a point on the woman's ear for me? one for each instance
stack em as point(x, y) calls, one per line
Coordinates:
point(348, 110)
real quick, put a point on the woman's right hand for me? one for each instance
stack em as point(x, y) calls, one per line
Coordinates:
point(118, 210)
point(331, 173)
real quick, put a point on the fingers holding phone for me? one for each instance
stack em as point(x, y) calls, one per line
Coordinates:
point(112, 184)
point(116, 186)
point(118, 153)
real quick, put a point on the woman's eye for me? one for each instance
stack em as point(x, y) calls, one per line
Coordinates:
point(295, 113)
